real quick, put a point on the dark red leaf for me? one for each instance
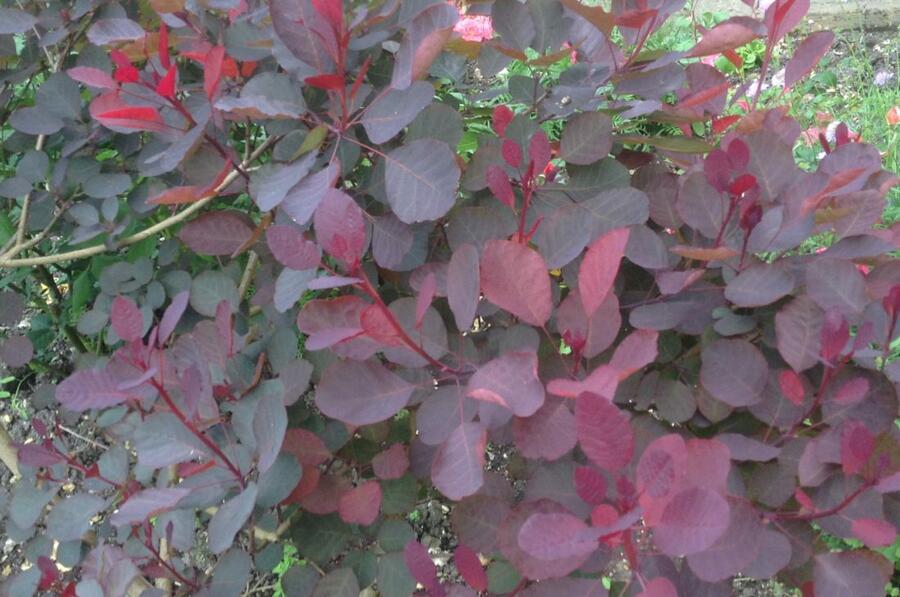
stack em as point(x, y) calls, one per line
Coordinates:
point(166, 85)
point(857, 446)
point(329, 82)
point(470, 568)
point(420, 565)
point(604, 432)
point(511, 152)
point(502, 116)
point(590, 485)
point(791, 386)
point(212, 71)
point(361, 504)
point(514, 277)
point(807, 56)
point(599, 268)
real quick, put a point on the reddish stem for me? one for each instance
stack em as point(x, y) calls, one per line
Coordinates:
point(366, 286)
point(178, 576)
point(199, 434)
point(821, 513)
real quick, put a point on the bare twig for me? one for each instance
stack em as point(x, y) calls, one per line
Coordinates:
point(247, 277)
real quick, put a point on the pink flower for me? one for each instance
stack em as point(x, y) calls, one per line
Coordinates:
point(474, 28)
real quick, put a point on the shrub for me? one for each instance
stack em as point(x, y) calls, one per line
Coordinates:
point(321, 259)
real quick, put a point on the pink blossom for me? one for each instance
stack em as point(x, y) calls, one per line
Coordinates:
point(474, 28)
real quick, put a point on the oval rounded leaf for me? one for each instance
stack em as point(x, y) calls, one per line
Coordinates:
point(458, 467)
point(387, 115)
point(421, 180)
point(230, 518)
point(691, 522)
point(514, 277)
point(604, 432)
point(510, 380)
point(462, 285)
point(759, 285)
point(291, 249)
point(734, 371)
point(361, 504)
point(361, 393)
point(587, 138)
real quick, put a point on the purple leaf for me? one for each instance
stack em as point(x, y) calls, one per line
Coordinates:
point(172, 316)
point(759, 285)
point(798, 328)
point(635, 352)
point(874, 532)
point(127, 321)
point(691, 522)
point(836, 284)
point(599, 268)
point(462, 285)
point(269, 425)
point(146, 504)
point(270, 184)
point(807, 56)
point(604, 432)
point(735, 386)
point(391, 463)
point(16, 351)
point(556, 536)
point(325, 282)
point(511, 381)
point(470, 568)
point(90, 388)
point(361, 393)
point(230, 518)
point(441, 412)
point(291, 249)
point(514, 277)
point(218, 233)
point(549, 433)
point(304, 198)
point(421, 180)
point(340, 227)
point(586, 139)
point(92, 77)
point(590, 485)
point(110, 31)
point(421, 566)
point(458, 467)
point(393, 110)
point(861, 573)
point(743, 448)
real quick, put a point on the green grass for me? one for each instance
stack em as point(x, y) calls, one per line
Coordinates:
point(843, 88)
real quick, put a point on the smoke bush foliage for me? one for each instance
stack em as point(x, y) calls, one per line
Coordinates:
point(325, 259)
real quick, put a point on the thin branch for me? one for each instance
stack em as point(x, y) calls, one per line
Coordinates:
point(9, 262)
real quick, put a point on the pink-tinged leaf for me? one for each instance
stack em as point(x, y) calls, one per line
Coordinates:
point(92, 77)
point(146, 504)
point(340, 227)
point(792, 386)
point(734, 385)
point(137, 117)
point(361, 393)
point(734, 550)
point(425, 296)
point(635, 352)
point(291, 249)
point(590, 485)
point(378, 326)
point(212, 71)
point(172, 316)
point(514, 277)
point(727, 35)
point(328, 82)
point(302, 200)
point(539, 150)
point(852, 391)
point(556, 536)
point(659, 587)
point(391, 463)
point(511, 152)
point(836, 284)
point(501, 118)
point(463, 285)
point(307, 447)
point(420, 565)
point(859, 573)
point(332, 11)
point(599, 268)
point(328, 337)
point(549, 433)
point(458, 466)
point(744, 448)
point(361, 504)
point(692, 521)
point(835, 335)
point(604, 515)
point(857, 446)
point(469, 567)
point(604, 432)
point(590, 335)
point(114, 30)
point(798, 328)
point(602, 381)
point(661, 465)
point(783, 16)
point(218, 233)
point(498, 182)
point(607, 521)
point(874, 532)
point(807, 56)
point(166, 85)
point(90, 388)
point(127, 321)
point(38, 455)
point(510, 380)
